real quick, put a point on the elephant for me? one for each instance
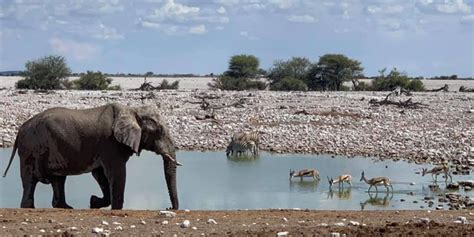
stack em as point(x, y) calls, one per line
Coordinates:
point(59, 142)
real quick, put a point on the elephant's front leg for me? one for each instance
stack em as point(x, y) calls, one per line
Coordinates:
point(96, 202)
point(59, 197)
point(116, 177)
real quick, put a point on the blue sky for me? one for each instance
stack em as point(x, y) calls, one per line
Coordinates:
point(420, 37)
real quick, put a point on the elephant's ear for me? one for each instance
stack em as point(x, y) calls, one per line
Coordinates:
point(127, 131)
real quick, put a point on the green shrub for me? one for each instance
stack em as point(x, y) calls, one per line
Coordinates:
point(165, 85)
point(93, 81)
point(394, 79)
point(230, 83)
point(46, 73)
point(289, 84)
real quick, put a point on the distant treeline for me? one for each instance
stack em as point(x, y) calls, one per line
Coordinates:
point(151, 74)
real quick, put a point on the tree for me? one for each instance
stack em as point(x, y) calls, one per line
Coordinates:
point(45, 73)
point(289, 84)
point(394, 79)
point(94, 81)
point(295, 68)
point(243, 66)
point(332, 70)
point(241, 75)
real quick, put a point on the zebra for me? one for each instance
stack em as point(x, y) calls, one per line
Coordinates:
point(240, 147)
point(248, 136)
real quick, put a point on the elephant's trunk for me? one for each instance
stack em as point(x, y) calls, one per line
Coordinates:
point(170, 176)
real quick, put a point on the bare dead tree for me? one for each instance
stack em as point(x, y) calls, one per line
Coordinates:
point(445, 88)
point(465, 89)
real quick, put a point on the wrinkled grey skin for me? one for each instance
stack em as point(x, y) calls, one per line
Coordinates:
point(60, 142)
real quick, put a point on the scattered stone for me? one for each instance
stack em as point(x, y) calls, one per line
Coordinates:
point(425, 220)
point(142, 222)
point(185, 224)
point(168, 213)
point(335, 234)
point(412, 183)
point(439, 208)
point(24, 223)
point(105, 223)
point(453, 186)
point(282, 234)
point(165, 222)
point(339, 224)
point(40, 230)
point(463, 220)
point(132, 226)
point(212, 221)
point(116, 223)
point(194, 228)
point(73, 228)
point(97, 230)
point(186, 210)
point(354, 223)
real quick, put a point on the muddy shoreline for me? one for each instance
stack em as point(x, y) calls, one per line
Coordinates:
point(339, 123)
point(62, 222)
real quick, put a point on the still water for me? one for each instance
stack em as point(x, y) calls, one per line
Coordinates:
point(210, 181)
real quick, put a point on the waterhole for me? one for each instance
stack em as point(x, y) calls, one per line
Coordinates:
point(211, 181)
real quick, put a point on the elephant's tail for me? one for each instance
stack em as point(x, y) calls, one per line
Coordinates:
point(11, 158)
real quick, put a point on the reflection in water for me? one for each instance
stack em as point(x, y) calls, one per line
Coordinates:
point(342, 193)
point(376, 201)
point(304, 185)
point(244, 158)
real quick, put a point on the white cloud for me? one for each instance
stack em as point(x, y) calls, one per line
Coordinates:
point(74, 49)
point(454, 6)
point(387, 9)
point(469, 19)
point(107, 33)
point(198, 30)
point(283, 4)
point(301, 18)
point(390, 24)
point(221, 10)
point(247, 35)
point(172, 11)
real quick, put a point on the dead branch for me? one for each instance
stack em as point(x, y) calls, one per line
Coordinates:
point(465, 89)
point(304, 112)
point(445, 88)
point(403, 104)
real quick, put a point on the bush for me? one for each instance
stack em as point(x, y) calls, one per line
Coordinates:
point(394, 79)
point(166, 85)
point(296, 68)
point(243, 66)
point(93, 81)
point(46, 73)
point(289, 84)
point(230, 83)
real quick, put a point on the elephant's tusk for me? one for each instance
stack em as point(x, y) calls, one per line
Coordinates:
point(173, 160)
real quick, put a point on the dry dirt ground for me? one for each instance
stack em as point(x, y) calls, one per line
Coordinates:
point(235, 223)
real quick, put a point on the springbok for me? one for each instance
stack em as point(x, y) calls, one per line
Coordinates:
point(437, 171)
point(305, 173)
point(340, 180)
point(385, 181)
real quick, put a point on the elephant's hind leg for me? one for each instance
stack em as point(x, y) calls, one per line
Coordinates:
point(29, 186)
point(59, 197)
point(96, 202)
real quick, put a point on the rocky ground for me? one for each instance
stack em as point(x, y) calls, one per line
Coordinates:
point(241, 223)
point(333, 122)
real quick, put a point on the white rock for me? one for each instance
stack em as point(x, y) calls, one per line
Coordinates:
point(97, 230)
point(40, 230)
point(212, 221)
point(354, 223)
point(194, 228)
point(119, 228)
point(335, 234)
point(168, 213)
point(283, 233)
point(463, 220)
point(116, 223)
point(58, 231)
point(285, 219)
point(425, 220)
point(73, 228)
point(186, 210)
point(105, 223)
point(132, 226)
point(323, 224)
point(24, 223)
point(142, 222)
point(164, 222)
point(185, 224)
point(339, 224)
